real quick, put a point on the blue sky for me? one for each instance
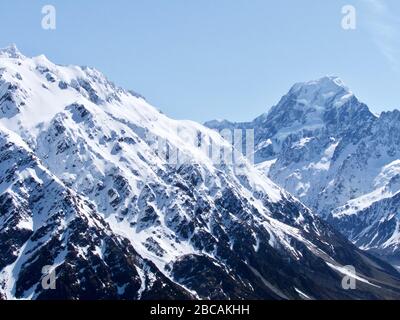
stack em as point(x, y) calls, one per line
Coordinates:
point(207, 59)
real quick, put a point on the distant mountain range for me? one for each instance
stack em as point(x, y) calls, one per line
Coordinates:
point(329, 150)
point(125, 203)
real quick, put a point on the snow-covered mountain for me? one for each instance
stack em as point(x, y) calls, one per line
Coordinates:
point(126, 203)
point(44, 223)
point(325, 147)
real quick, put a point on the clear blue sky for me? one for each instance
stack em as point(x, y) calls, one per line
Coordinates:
point(207, 59)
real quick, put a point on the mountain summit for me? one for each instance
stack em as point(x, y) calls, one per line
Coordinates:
point(323, 93)
point(327, 86)
point(11, 52)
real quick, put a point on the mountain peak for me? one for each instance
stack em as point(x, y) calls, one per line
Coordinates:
point(327, 84)
point(326, 91)
point(11, 51)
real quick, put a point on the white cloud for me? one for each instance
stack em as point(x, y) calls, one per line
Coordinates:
point(383, 26)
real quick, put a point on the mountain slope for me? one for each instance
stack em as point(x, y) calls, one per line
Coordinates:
point(44, 223)
point(166, 194)
point(325, 147)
